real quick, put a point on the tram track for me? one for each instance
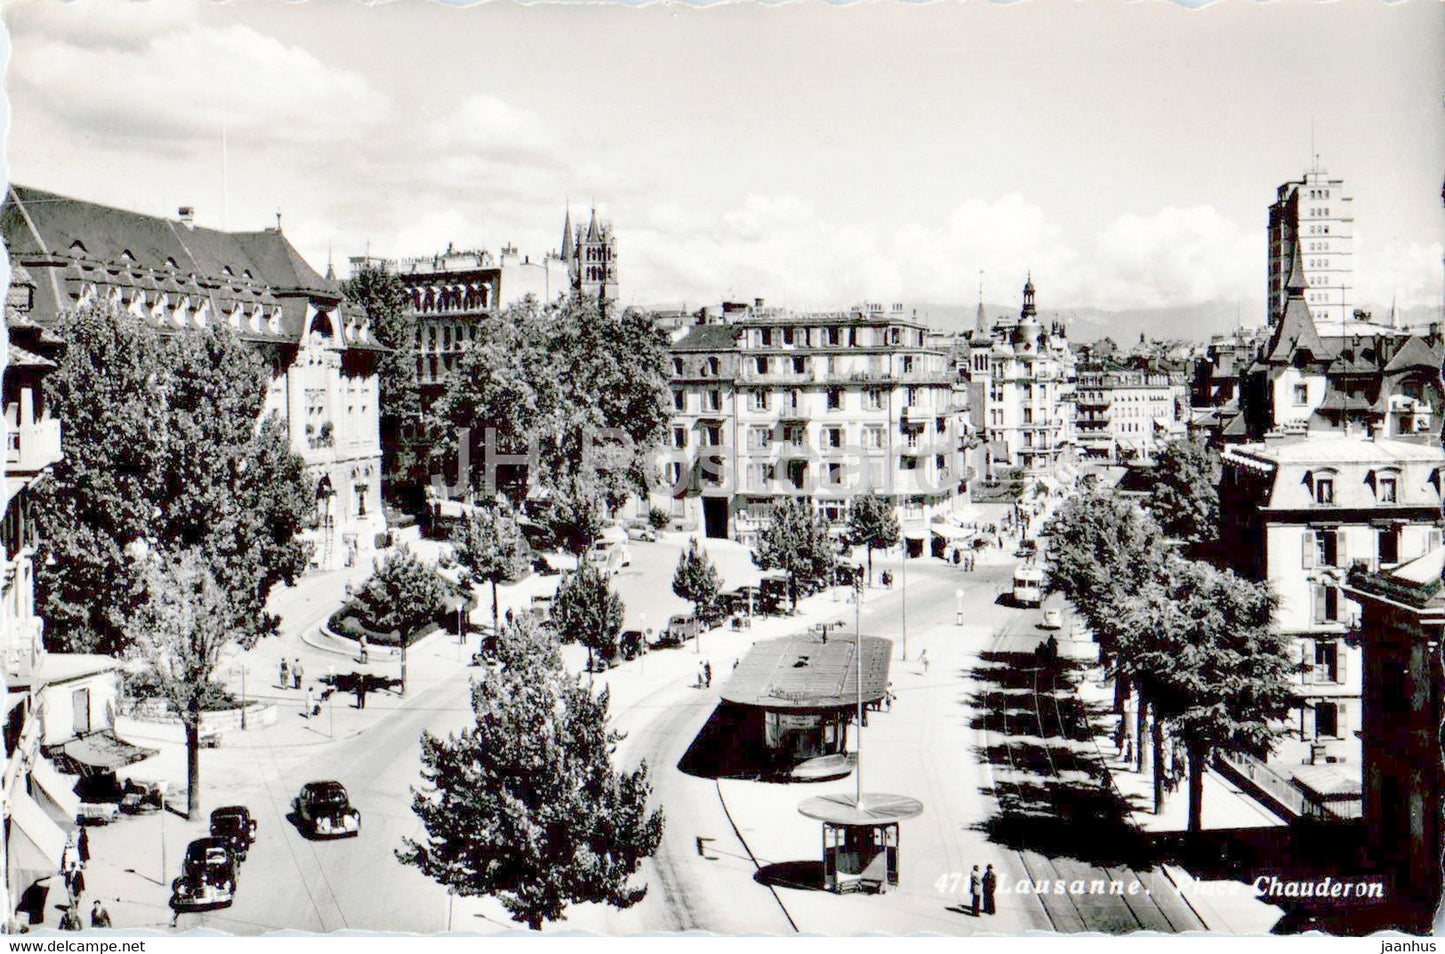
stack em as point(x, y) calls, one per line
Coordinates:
point(1071, 911)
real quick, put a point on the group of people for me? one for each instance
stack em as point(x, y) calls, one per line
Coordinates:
point(981, 890)
point(291, 674)
point(704, 675)
point(73, 860)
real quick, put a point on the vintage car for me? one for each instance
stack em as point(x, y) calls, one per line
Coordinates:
point(208, 876)
point(1053, 619)
point(323, 810)
point(141, 796)
point(608, 558)
point(235, 824)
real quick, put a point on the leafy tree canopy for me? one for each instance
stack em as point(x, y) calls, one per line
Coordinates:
point(872, 523)
point(1184, 492)
point(796, 541)
point(696, 579)
point(588, 612)
point(404, 594)
point(161, 444)
point(525, 804)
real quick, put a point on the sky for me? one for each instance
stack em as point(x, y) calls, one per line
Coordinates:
point(814, 155)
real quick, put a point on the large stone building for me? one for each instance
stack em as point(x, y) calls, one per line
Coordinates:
point(1300, 514)
point(1313, 216)
point(1129, 414)
point(176, 275)
point(1363, 378)
point(1022, 401)
point(53, 701)
point(1401, 637)
point(772, 403)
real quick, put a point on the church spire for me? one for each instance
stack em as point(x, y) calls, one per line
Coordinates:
point(980, 321)
point(1028, 310)
point(567, 236)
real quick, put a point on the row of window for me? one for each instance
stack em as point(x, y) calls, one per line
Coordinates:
point(835, 337)
point(872, 399)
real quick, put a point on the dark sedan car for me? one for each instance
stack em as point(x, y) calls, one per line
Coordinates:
point(208, 876)
point(235, 824)
point(323, 810)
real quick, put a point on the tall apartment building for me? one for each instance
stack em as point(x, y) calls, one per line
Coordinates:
point(175, 275)
point(775, 403)
point(1024, 378)
point(1129, 414)
point(1301, 514)
point(1313, 214)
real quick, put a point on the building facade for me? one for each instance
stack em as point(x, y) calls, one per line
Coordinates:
point(773, 403)
point(1300, 514)
point(174, 276)
point(1128, 415)
point(50, 698)
point(1023, 399)
point(1400, 633)
point(1363, 378)
point(1313, 216)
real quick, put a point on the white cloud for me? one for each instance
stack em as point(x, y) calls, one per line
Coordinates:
point(1176, 257)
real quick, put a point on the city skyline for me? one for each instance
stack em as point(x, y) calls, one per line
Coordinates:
point(814, 156)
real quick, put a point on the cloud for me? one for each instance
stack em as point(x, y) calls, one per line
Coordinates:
point(1176, 257)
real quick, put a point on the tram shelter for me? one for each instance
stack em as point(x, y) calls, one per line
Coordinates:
point(798, 694)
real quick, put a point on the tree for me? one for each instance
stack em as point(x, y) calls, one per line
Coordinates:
point(382, 296)
point(576, 503)
point(162, 443)
point(586, 611)
point(796, 541)
point(1212, 662)
point(403, 594)
point(696, 579)
point(873, 524)
point(525, 804)
point(184, 621)
point(1184, 491)
point(490, 545)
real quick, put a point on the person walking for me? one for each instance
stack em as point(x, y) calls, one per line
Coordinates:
point(77, 886)
point(707, 673)
point(296, 673)
point(99, 916)
point(82, 846)
point(285, 673)
point(975, 890)
point(69, 857)
point(990, 885)
point(310, 703)
point(70, 920)
point(923, 659)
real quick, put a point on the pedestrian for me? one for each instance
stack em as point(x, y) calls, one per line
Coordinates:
point(360, 695)
point(99, 916)
point(509, 616)
point(707, 673)
point(285, 673)
point(735, 662)
point(361, 643)
point(700, 676)
point(888, 698)
point(1128, 748)
point(310, 703)
point(77, 885)
point(296, 673)
point(923, 658)
point(69, 857)
point(990, 885)
point(70, 920)
point(1053, 644)
point(82, 846)
point(975, 890)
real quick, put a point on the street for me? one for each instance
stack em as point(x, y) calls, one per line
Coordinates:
point(988, 740)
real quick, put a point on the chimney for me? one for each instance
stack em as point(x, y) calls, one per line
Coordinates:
point(758, 303)
point(187, 215)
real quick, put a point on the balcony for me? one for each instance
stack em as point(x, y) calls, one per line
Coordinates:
point(917, 414)
point(31, 448)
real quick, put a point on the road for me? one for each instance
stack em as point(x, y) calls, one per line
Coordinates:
point(989, 740)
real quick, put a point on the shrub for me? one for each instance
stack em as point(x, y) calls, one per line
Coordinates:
point(658, 518)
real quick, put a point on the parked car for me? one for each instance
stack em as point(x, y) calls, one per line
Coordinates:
point(610, 558)
point(208, 876)
point(1053, 619)
point(633, 643)
point(542, 606)
point(680, 629)
point(323, 810)
point(141, 796)
point(235, 824)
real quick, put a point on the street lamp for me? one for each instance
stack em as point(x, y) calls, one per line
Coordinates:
point(242, 669)
point(958, 594)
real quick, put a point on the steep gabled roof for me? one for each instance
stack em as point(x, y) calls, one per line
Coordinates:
point(1296, 329)
point(1414, 353)
point(707, 338)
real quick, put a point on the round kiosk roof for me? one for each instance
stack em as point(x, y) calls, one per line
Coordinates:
point(878, 808)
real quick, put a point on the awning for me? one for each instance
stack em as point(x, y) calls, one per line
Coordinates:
point(58, 790)
point(98, 752)
point(915, 534)
point(36, 843)
point(949, 532)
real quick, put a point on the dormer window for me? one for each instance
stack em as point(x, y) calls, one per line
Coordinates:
point(1386, 489)
point(171, 264)
point(1324, 490)
point(677, 367)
